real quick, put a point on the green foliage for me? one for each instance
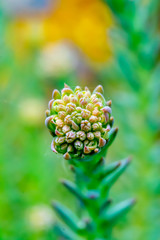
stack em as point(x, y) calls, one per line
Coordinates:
point(94, 179)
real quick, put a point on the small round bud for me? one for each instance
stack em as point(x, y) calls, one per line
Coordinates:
point(81, 135)
point(85, 126)
point(78, 145)
point(66, 128)
point(68, 120)
point(97, 134)
point(59, 123)
point(97, 126)
point(93, 119)
point(85, 114)
point(70, 136)
point(62, 115)
point(70, 107)
point(56, 94)
point(99, 89)
point(90, 136)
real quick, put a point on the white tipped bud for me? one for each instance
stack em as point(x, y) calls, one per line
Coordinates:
point(81, 135)
point(90, 136)
point(66, 128)
point(78, 145)
point(70, 136)
point(102, 142)
point(85, 126)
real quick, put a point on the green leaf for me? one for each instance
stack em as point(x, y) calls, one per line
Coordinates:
point(73, 189)
point(114, 213)
point(112, 135)
point(68, 217)
point(111, 178)
point(106, 170)
point(63, 233)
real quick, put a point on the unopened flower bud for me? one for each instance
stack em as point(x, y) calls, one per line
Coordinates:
point(56, 94)
point(97, 134)
point(85, 114)
point(102, 142)
point(90, 136)
point(66, 128)
point(78, 145)
point(70, 136)
point(62, 114)
point(93, 119)
point(70, 107)
point(85, 126)
point(81, 135)
point(97, 126)
point(99, 89)
point(79, 121)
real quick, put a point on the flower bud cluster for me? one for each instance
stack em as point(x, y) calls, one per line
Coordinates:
point(79, 121)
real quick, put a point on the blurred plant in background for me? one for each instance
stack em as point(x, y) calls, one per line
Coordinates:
point(129, 72)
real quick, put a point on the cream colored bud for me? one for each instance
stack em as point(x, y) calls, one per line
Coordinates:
point(90, 136)
point(81, 135)
point(93, 119)
point(66, 99)
point(56, 94)
point(92, 145)
point(97, 126)
point(66, 91)
point(78, 145)
point(59, 123)
point(86, 150)
point(85, 126)
point(66, 128)
point(60, 140)
point(50, 104)
point(73, 99)
point(96, 150)
point(99, 89)
point(68, 120)
point(59, 132)
point(70, 136)
point(79, 109)
point(62, 114)
point(75, 126)
point(97, 134)
point(85, 114)
point(59, 108)
point(77, 89)
point(53, 146)
point(102, 142)
point(90, 107)
point(70, 107)
point(79, 95)
point(96, 112)
point(84, 101)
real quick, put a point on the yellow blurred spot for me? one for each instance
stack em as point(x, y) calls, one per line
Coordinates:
point(84, 22)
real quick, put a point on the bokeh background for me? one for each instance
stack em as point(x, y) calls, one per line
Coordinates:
point(44, 43)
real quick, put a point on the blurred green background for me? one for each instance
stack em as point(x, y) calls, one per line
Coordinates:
point(45, 43)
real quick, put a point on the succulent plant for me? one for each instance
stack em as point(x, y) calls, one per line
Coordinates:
point(79, 121)
point(81, 126)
